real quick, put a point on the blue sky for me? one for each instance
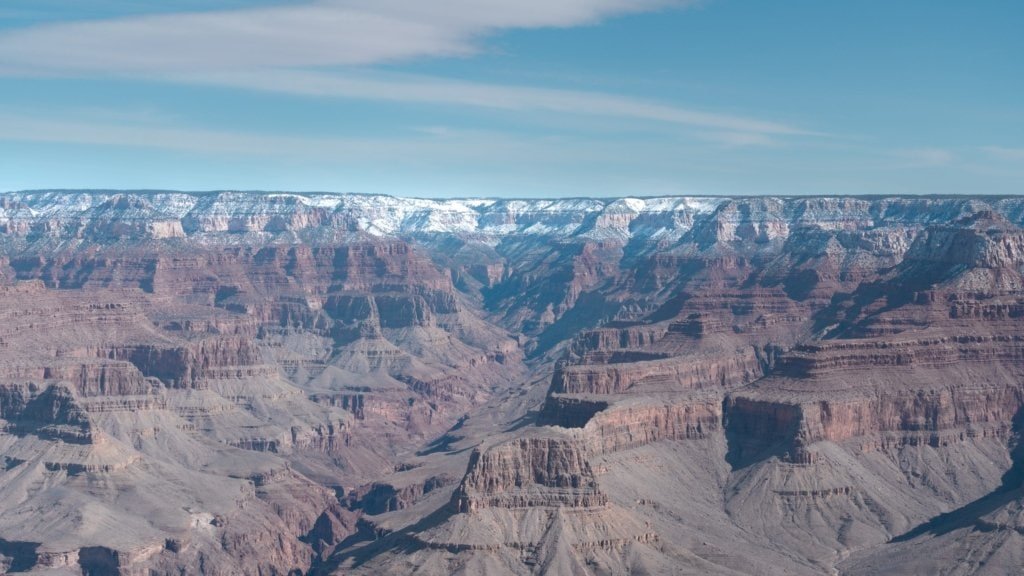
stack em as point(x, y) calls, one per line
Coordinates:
point(524, 98)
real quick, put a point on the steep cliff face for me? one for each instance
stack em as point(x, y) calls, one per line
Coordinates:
point(633, 424)
point(656, 375)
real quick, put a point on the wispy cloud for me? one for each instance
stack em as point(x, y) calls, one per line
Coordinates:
point(431, 144)
point(1004, 153)
point(926, 156)
point(145, 135)
point(736, 139)
point(328, 48)
point(320, 33)
point(406, 88)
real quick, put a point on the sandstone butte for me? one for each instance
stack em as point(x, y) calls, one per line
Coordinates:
point(238, 383)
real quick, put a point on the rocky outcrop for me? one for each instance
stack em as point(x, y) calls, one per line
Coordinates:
point(526, 473)
point(609, 338)
point(908, 386)
point(53, 413)
point(669, 375)
point(756, 426)
point(569, 411)
point(633, 424)
point(809, 360)
point(877, 419)
point(984, 239)
point(380, 497)
point(610, 427)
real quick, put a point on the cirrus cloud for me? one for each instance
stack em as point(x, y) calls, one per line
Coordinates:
point(321, 33)
point(329, 48)
point(422, 89)
point(1004, 153)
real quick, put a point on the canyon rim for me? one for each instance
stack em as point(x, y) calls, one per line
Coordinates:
point(278, 383)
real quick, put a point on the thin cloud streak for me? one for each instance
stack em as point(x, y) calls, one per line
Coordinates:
point(1004, 153)
point(418, 89)
point(926, 156)
point(437, 144)
point(738, 139)
point(25, 129)
point(207, 141)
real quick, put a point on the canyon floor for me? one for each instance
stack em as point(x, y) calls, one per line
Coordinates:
point(234, 383)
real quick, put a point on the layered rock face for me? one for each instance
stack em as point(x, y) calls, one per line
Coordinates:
point(529, 472)
point(931, 366)
point(278, 370)
point(239, 383)
point(819, 395)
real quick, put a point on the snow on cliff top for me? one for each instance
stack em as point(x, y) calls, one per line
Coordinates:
point(376, 214)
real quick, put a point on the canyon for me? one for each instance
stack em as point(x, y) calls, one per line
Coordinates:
point(232, 383)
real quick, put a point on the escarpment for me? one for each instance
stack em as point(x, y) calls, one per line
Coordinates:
point(229, 382)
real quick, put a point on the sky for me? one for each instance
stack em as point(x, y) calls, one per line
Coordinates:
point(515, 98)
